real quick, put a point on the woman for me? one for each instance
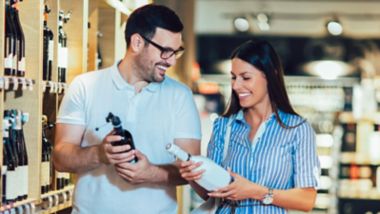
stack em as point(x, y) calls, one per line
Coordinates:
point(272, 151)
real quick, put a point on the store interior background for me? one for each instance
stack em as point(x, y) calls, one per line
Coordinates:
point(340, 98)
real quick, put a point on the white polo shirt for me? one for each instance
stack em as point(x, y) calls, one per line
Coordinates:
point(156, 116)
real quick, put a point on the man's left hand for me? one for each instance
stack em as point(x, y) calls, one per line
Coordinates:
point(136, 173)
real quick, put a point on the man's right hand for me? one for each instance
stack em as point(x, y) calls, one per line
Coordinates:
point(109, 154)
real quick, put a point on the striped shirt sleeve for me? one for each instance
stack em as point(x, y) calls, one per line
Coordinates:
point(306, 162)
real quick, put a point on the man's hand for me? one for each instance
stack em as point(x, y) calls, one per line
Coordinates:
point(136, 173)
point(109, 154)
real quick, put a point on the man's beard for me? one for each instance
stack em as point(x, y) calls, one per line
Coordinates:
point(148, 73)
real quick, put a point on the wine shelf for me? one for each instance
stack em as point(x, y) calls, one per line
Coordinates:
point(54, 201)
point(9, 83)
point(25, 204)
point(54, 87)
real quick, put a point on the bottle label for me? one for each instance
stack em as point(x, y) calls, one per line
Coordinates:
point(5, 134)
point(14, 62)
point(65, 57)
point(4, 170)
point(60, 55)
point(51, 50)
point(62, 58)
point(24, 180)
point(8, 61)
point(21, 64)
point(11, 185)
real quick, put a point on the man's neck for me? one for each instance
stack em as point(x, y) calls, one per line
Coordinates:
point(126, 68)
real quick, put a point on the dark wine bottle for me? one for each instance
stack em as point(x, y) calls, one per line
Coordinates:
point(11, 176)
point(6, 157)
point(48, 49)
point(25, 161)
point(62, 47)
point(9, 40)
point(20, 39)
point(23, 168)
point(46, 157)
point(125, 134)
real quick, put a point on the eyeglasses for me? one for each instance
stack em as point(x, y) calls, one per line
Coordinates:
point(166, 53)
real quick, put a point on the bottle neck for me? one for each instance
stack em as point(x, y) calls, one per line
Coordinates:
point(178, 152)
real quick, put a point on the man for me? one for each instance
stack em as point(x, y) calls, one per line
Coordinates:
point(156, 109)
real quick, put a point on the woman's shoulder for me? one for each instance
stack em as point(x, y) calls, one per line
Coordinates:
point(220, 122)
point(292, 120)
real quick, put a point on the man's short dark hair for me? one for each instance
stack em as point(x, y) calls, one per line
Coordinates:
point(146, 19)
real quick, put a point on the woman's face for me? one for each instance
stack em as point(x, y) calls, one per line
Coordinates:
point(249, 84)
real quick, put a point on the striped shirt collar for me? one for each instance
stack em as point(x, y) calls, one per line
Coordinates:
point(240, 116)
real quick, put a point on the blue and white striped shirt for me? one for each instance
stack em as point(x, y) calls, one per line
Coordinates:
point(277, 158)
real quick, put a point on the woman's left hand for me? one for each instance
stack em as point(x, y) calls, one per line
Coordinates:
point(239, 189)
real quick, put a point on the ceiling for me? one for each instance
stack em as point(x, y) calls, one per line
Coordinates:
point(360, 19)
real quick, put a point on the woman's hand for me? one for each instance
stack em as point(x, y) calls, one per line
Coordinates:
point(188, 170)
point(239, 189)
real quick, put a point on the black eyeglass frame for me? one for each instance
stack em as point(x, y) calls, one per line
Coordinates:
point(166, 53)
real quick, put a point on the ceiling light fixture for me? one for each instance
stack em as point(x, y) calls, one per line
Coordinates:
point(263, 21)
point(334, 27)
point(241, 24)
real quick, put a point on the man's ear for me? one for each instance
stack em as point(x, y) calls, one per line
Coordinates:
point(137, 42)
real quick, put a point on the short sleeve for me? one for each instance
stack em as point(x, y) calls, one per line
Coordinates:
point(307, 166)
point(72, 110)
point(187, 117)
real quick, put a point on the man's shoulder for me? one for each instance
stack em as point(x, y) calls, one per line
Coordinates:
point(91, 76)
point(172, 84)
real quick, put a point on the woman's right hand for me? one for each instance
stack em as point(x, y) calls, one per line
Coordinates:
point(188, 170)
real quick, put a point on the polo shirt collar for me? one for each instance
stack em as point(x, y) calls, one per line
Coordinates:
point(121, 84)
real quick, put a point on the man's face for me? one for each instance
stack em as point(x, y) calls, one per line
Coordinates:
point(150, 63)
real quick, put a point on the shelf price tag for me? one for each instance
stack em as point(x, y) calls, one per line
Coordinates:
point(30, 84)
point(43, 85)
point(60, 88)
point(23, 83)
point(15, 83)
point(1, 83)
point(6, 83)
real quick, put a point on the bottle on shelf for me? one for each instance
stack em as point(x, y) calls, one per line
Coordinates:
point(20, 45)
point(20, 118)
point(62, 46)
point(214, 177)
point(7, 160)
point(118, 129)
point(46, 157)
point(11, 174)
point(10, 44)
point(48, 49)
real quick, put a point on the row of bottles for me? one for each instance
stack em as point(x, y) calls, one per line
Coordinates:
point(47, 169)
point(15, 157)
point(48, 49)
point(14, 51)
